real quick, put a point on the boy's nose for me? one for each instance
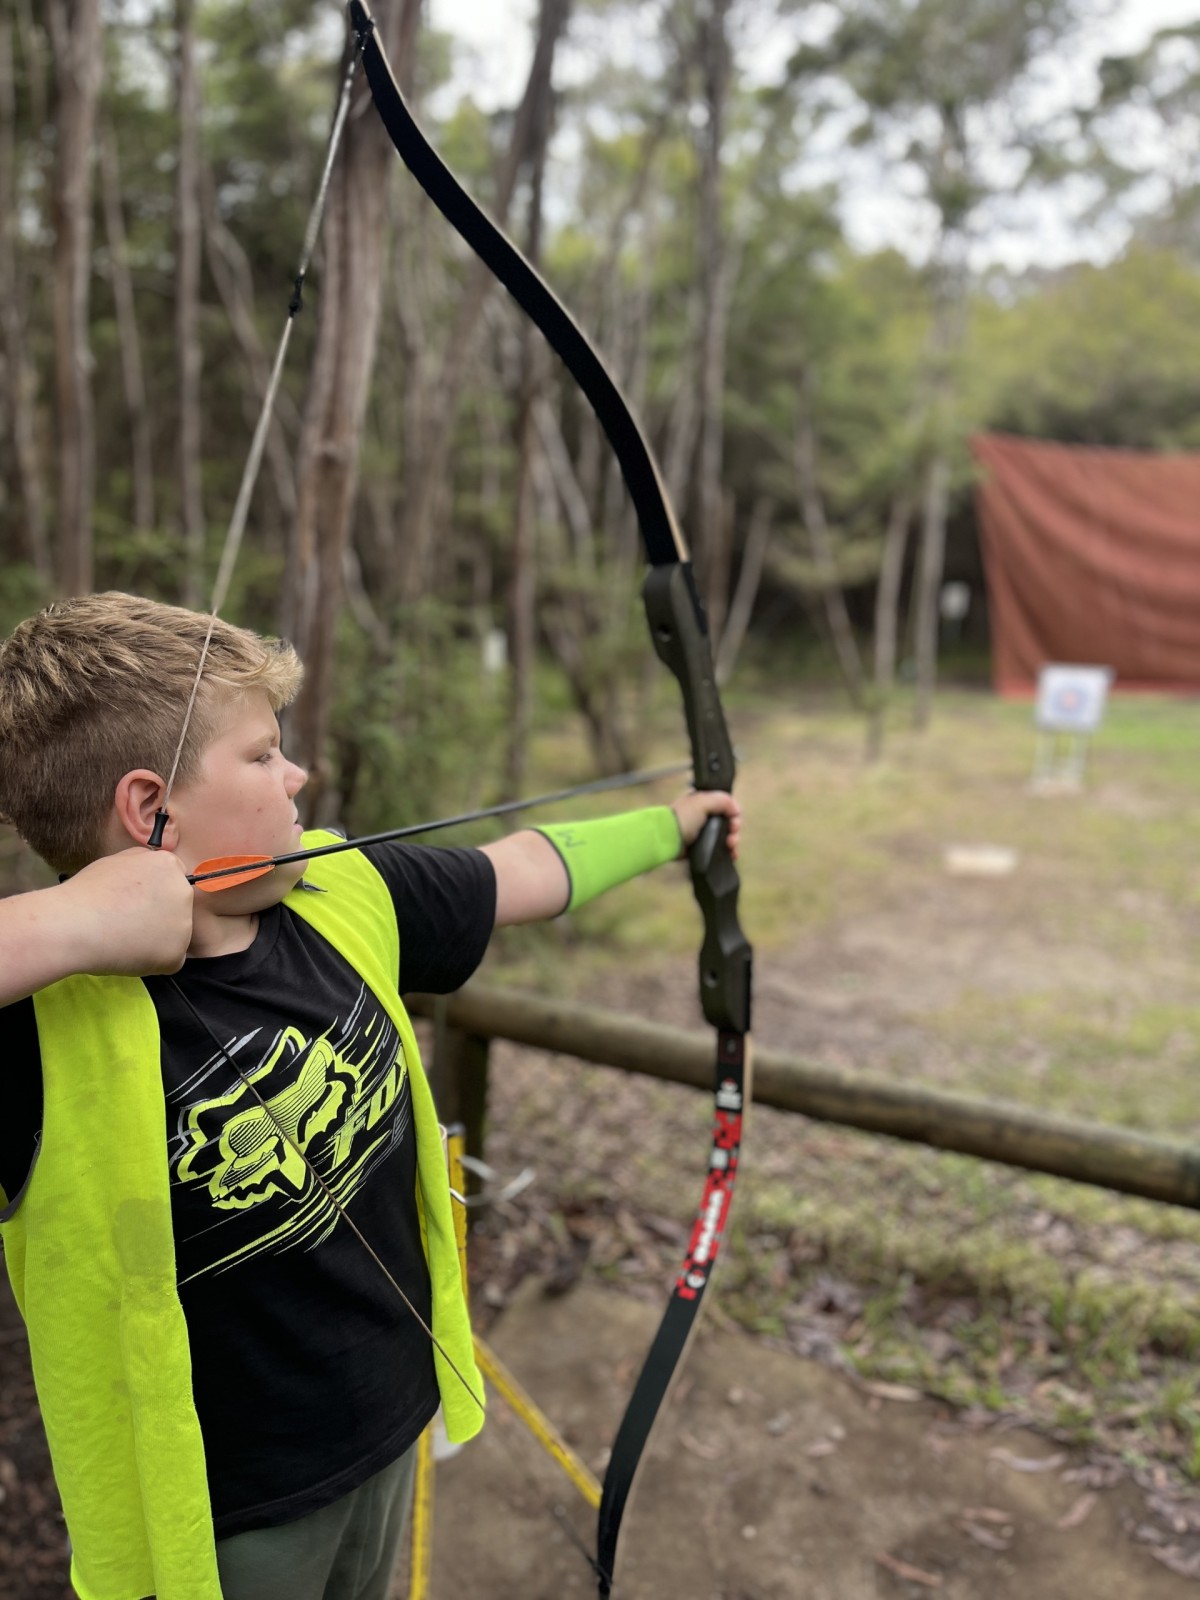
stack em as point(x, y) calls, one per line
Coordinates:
point(296, 779)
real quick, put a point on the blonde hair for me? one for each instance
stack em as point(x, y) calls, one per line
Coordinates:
point(92, 688)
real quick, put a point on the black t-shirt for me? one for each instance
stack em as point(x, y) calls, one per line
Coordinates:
point(308, 1373)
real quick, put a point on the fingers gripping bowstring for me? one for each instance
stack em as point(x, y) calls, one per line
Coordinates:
point(241, 509)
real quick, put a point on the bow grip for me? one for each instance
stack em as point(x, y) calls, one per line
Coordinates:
point(725, 953)
point(679, 629)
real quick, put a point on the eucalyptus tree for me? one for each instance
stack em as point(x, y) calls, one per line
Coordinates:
point(942, 89)
point(75, 33)
point(1099, 355)
point(22, 492)
point(1143, 138)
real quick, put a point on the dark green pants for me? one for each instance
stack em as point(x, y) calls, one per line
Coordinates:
point(345, 1552)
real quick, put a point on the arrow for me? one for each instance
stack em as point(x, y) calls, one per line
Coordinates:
point(226, 872)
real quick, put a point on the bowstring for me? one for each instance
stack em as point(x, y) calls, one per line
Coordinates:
point(225, 569)
point(241, 508)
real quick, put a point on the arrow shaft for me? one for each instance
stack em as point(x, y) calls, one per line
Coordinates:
point(626, 780)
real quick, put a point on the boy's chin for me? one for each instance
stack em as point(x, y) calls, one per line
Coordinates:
point(260, 894)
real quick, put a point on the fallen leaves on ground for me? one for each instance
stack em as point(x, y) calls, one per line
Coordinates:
point(1078, 1513)
point(1016, 1463)
point(905, 1570)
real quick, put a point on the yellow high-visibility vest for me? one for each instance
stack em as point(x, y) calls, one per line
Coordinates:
point(91, 1257)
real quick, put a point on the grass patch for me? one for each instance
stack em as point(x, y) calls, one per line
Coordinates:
point(1070, 986)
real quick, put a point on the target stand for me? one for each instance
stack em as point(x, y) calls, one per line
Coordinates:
point(1069, 709)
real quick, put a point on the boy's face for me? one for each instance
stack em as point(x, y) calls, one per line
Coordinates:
point(242, 802)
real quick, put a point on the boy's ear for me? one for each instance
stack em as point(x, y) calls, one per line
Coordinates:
point(137, 797)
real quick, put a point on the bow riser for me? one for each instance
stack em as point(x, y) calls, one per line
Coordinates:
point(680, 634)
point(725, 955)
point(679, 630)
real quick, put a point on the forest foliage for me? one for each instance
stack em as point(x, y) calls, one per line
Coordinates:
point(432, 484)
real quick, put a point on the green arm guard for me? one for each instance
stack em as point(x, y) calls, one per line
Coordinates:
point(601, 854)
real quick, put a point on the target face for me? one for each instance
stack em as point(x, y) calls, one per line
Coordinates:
point(1071, 699)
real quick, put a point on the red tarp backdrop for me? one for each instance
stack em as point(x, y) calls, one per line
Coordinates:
point(1092, 556)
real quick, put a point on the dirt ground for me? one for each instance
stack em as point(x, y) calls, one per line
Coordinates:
point(769, 1478)
point(773, 1478)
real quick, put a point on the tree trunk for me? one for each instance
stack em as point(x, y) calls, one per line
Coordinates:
point(629, 357)
point(427, 468)
point(523, 587)
point(75, 35)
point(887, 609)
point(30, 44)
point(612, 751)
point(717, 71)
point(522, 592)
point(569, 496)
point(230, 273)
point(754, 553)
point(351, 289)
point(812, 508)
point(683, 419)
point(187, 304)
point(929, 583)
point(128, 336)
point(950, 277)
point(18, 403)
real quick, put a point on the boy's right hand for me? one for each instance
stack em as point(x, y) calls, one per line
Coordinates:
point(131, 913)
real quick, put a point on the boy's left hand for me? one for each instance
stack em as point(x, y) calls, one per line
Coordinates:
point(692, 811)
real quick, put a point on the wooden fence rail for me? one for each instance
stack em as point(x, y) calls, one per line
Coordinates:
point(1086, 1152)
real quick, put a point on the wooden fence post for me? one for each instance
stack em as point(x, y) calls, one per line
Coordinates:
point(458, 1076)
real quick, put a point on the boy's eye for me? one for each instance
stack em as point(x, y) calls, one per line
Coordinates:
point(267, 756)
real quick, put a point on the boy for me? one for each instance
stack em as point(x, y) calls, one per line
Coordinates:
point(225, 1209)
